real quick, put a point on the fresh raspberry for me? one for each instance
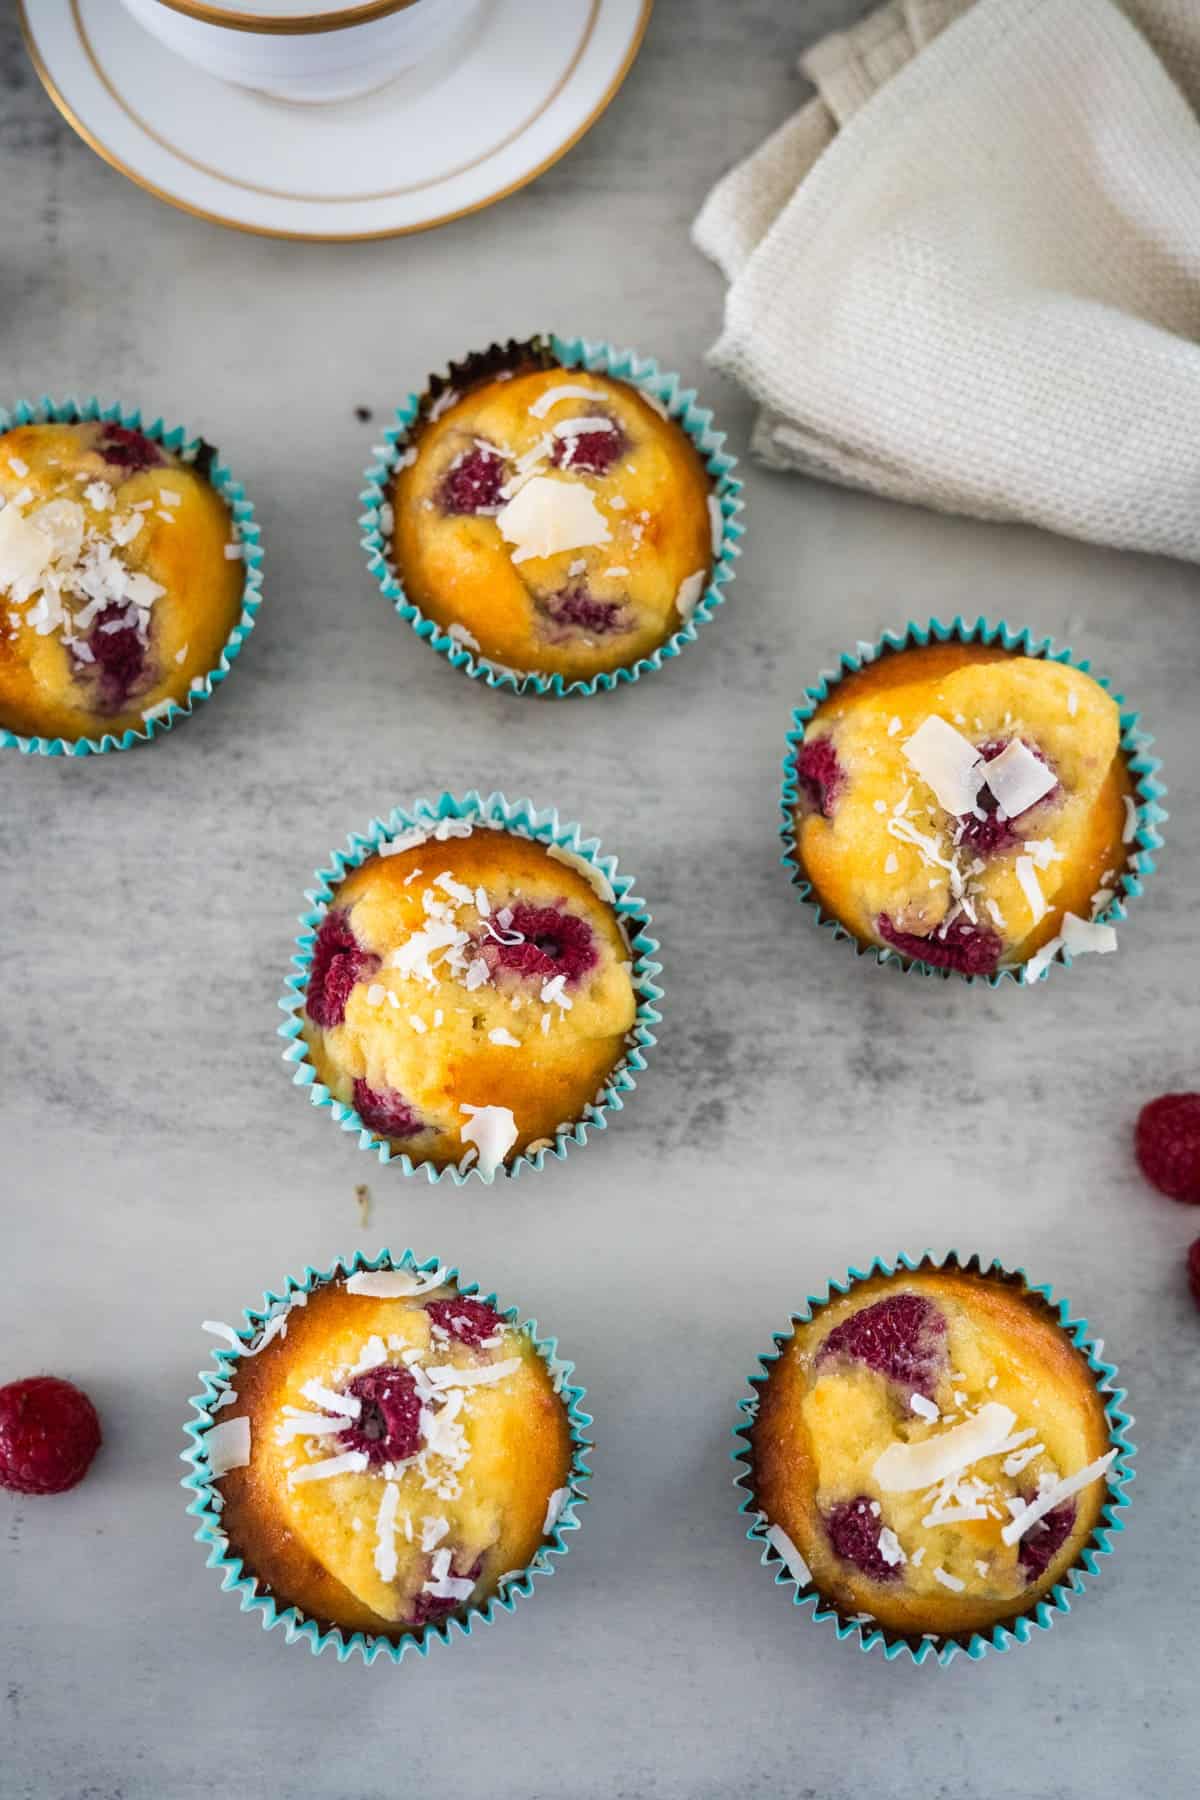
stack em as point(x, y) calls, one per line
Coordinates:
point(129, 450)
point(429, 1610)
point(1043, 1541)
point(470, 1321)
point(902, 1337)
point(819, 776)
point(992, 833)
point(388, 1429)
point(49, 1434)
point(118, 654)
point(969, 949)
point(589, 452)
point(386, 1111)
point(574, 608)
point(1193, 1270)
point(854, 1533)
point(473, 483)
point(552, 942)
point(1168, 1145)
point(338, 962)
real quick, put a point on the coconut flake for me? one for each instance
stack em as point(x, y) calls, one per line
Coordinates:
point(903, 1468)
point(444, 1585)
point(228, 1446)
point(447, 1375)
point(462, 636)
point(1084, 937)
point(1052, 1496)
point(353, 1462)
point(385, 1533)
point(1031, 888)
point(1131, 819)
point(548, 516)
point(1018, 779)
point(345, 1405)
point(565, 391)
point(493, 1131)
point(949, 1581)
point(506, 1038)
point(947, 762)
point(554, 1509)
point(925, 1408)
point(890, 1548)
point(394, 1284)
point(716, 524)
point(795, 1564)
point(688, 597)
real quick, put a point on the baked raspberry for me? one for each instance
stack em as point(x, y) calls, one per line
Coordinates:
point(469, 1321)
point(819, 776)
point(428, 1609)
point(388, 1429)
point(589, 452)
point(118, 655)
point(1043, 1541)
point(473, 483)
point(386, 1111)
point(991, 833)
point(1193, 1270)
point(854, 1533)
point(49, 1434)
point(574, 608)
point(902, 1337)
point(338, 961)
point(552, 942)
point(1168, 1145)
point(968, 949)
point(129, 450)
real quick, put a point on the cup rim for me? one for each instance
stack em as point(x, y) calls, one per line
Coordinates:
point(336, 15)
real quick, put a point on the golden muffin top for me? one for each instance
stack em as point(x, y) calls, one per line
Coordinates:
point(471, 990)
point(554, 520)
point(120, 578)
point(392, 1452)
point(933, 1447)
point(966, 806)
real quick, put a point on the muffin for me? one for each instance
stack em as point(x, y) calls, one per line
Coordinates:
point(554, 520)
point(966, 807)
point(470, 991)
point(391, 1452)
point(120, 578)
point(930, 1451)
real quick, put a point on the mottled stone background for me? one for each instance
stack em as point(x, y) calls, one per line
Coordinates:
point(803, 1109)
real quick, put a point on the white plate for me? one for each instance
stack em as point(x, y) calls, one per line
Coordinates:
point(451, 136)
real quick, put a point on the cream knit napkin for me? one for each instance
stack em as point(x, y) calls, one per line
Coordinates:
point(968, 272)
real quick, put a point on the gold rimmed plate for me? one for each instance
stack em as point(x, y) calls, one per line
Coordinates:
point(457, 133)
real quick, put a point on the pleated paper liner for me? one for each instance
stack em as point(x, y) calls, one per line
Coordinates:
point(190, 449)
point(525, 820)
point(206, 1502)
point(664, 390)
point(1135, 746)
point(943, 1649)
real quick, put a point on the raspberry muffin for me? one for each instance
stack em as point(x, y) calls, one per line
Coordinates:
point(391, 1454)
point(966, 806)
point(932, 1448)
point(120, 578)
point(470, 992)
point(551, 519)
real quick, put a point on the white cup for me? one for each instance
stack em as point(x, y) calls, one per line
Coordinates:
point(319, 52)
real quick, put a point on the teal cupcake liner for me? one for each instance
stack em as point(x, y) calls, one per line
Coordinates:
point(190, 449)
point(935, 1648)
point(207, 1502)
point(523, 819)
point(664, 391)
point(1135, 743)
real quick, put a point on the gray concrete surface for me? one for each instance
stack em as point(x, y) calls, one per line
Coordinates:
point(802, 1109)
